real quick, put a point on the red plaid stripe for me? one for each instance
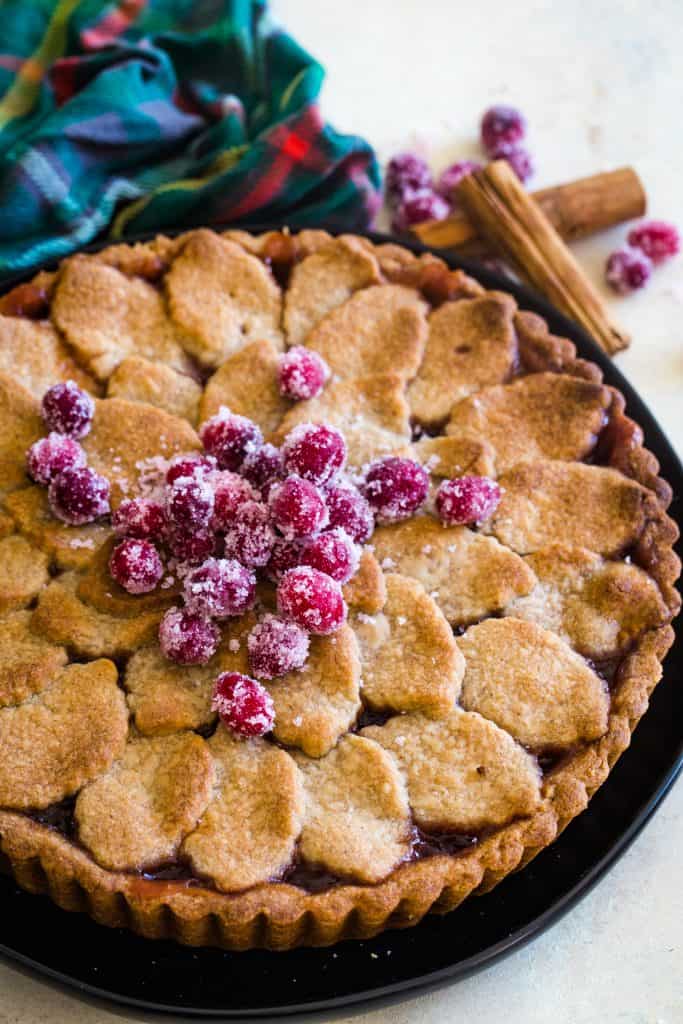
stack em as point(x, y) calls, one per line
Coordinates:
point(112, 24)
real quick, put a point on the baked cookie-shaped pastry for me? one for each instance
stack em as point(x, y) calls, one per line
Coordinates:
point(23, 572)
point(140, 380)
point(247, 383)
point(28, 662)
point(20, 426)
point(33, 353)
point(69, 547)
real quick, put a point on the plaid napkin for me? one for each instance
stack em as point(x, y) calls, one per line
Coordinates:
point(151, 114)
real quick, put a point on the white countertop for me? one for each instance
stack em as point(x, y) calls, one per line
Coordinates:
point(601, 84)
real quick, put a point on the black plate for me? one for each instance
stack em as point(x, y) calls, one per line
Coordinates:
point(160, 976)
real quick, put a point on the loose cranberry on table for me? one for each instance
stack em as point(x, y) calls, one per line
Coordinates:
point(230, 492)
point(334, 553)
point(136, 566)
point(315, 452)
point(243, 705)
point(79, 495)
point(302, 373)
point(190, 503)
point(297, 508)
point(52, 454)
point(230, 438)
point(656, 238)
point(467, 500)
point(311, 599)
point(139, 517)
point(406, 173)
point(286, 554)
point(502, 130)
point(276, 647)
point(263, 467)
point(419, 207)
point(219, 588)
point(186, 638)
point(250, 537)
point(350, 510)
point(627, 270)
point(191, 464)
point(453, 175)
point(520, 161)
point(395, 488)
point(68, 409)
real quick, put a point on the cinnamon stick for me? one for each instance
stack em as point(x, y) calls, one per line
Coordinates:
point(575, 209)
point(515, 225)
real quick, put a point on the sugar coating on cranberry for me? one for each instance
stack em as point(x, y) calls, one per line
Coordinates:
point(502, 130)
point(186, 638)
point(286, 554)
point(78, 495)
point(139, 517)
point(520, 161)
point(467, 499)
point(627, 270)
point(297, 508)
point(52, 454)
point(263, 467)
point(406, 173)
point(136, 565)
point(350, 510)
point(219, 588)
point(334, 553)
point(302, 373)
point(276, 647)
point(315, 452)
point(190, 503)
point(658, 239)
point(396, 488)
point(243, 704)
point(312, 599)
point(191, 545)
point(230, 491)
point(453, 175)
point(250, 537)
point(230, 438)
point(190, 464)
point(68, 409)
point(419, 207)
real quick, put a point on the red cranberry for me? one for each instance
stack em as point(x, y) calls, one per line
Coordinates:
point(396, 488)
point(520, 161)
point(276, 647)
point(334, 553)
point(263, 467)
point(139, 517)
point(418, 207)
point(627, 270)
point(189, 465)
point(303, 373)
point(230, 493)
point(219, 588)
point(229, 438)
point(79, 495)
point(191, 545)
point(453, 175)
point(315, 452)
point(656, 238)
point(311, 599)
point(502, 130)
point(243, 704)
point(406, 173)
point(68, 409)
point(286, 555)
point(50, 455)
point(190, 503)
point(350, 510)
point(136, 565)
point(186, 638)
point(297, 508)
point(467, 499)
point(250, 537)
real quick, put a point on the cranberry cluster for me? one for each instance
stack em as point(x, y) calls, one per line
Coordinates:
point(650, 243)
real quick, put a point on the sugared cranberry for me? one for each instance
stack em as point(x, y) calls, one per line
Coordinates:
point(315, 452)
point(286, 554)
point(243, 704)
point(189, 465)
point(656, 238)
point(68, 409)
point(191, 545)
point(136, 565)
point(297, 508)
point(406, 173)
point(79, 495)
point(467, 499)
point(302, 373)
point(416, 208)
point(350, 510)
point(311, 599)
point(230, 493)
point(139, 517)
point(276, 647)
point(219, 588)
point(250, 537)
point(229, 438)
point(334, 553)
point(453, 175)
point(52, 454)
point(190, 503)
point(396, 488)
point(263, 467)
point(187, 638)
point(520, 161)
point(502, 130)
point(627, 270)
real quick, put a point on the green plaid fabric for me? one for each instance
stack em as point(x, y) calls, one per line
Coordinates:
point(141, 115)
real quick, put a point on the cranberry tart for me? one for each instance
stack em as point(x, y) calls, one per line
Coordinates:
point(332, 586)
